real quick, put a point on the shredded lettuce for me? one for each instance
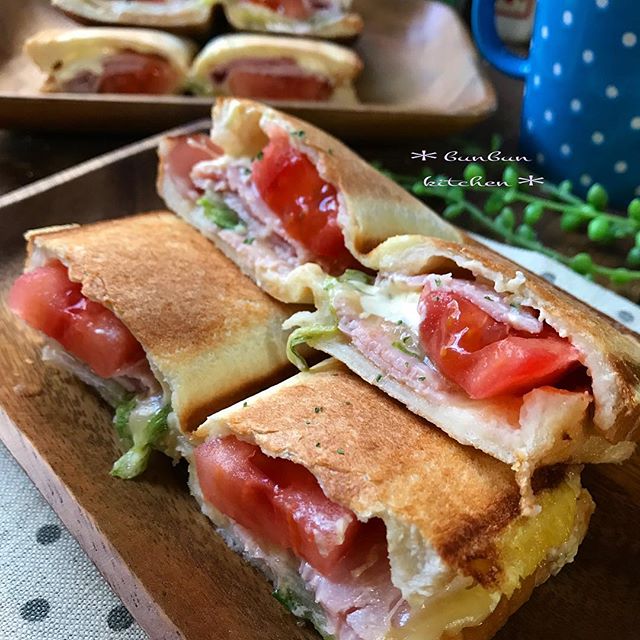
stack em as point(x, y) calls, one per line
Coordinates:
point(401, 346)
point(121, 420)
point(355, 275)
point(294, 603)
point(140, 442)
point(303, 335)
point(221, 215)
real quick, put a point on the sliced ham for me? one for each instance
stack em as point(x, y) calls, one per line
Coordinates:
point(185, 152)
point(358, 597)
point(394, 350)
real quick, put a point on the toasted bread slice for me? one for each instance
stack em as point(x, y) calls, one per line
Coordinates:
point(371, 207)
point(461, 555)
point(63, 54)
point(335, 66)
point(196, 316)
point(193, 17)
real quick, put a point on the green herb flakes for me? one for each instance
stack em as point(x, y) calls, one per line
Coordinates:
point(401, 346)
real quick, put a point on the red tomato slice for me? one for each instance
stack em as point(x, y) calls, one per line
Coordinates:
point(277, 500)
point(296, 9)
point(95, 336)
point(41, 296)
point(185, 152)
point(276, 80)
point(48, 301)
point(485, 357)
point(133, 72)
point(308, 207)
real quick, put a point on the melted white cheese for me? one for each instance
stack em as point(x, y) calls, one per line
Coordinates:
point(392, 303)
point(451, 613)
point(72, 68)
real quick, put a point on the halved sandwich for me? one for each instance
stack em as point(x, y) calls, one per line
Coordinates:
point(283, 199)
point(145, 310)
point(495, 356)
point(373, 524)
point(184, 16)
point(106, 60)
point(319, 18)
point(276, 68)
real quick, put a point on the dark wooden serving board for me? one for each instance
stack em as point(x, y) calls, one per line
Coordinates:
point(148, 538)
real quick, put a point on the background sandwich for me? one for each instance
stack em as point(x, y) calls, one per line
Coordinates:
point(105, 60)
point(283, 199)
point(371, 523)
point(184, 16)
point(276, 68)
point(145, 310)
point(495, 356)
point(324, 19)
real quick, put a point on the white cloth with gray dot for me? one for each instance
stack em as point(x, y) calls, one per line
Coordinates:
point(49, 589)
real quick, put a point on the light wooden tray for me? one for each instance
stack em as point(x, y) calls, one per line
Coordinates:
point(147, 536)
point(421, 76)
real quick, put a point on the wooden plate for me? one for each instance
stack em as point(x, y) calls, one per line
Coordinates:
point(421, 76)
point(147, 536)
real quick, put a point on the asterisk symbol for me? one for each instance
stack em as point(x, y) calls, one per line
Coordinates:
point(530, 181)
point(423, 155)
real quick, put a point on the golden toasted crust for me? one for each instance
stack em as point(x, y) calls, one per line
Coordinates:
point(378, 459)
point(247, 16)
point(611, 356)
point(339, 64)
point(53, 48)
point(209, 331)
point(190, 15)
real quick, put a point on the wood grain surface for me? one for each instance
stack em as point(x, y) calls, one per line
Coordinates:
point(147, 536)
point(421, 73)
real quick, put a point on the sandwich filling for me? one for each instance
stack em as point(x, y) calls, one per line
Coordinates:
point(300, 10)
point(123, 71)
point(172, 3)
point(456, 342)
point(274, 209)
point(335, 569)
point(90, 341)
point(276, 78)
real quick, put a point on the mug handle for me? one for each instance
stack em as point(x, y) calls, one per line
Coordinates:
point(483, 23)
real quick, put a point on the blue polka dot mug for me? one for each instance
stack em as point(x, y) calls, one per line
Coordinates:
point(581, 109)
